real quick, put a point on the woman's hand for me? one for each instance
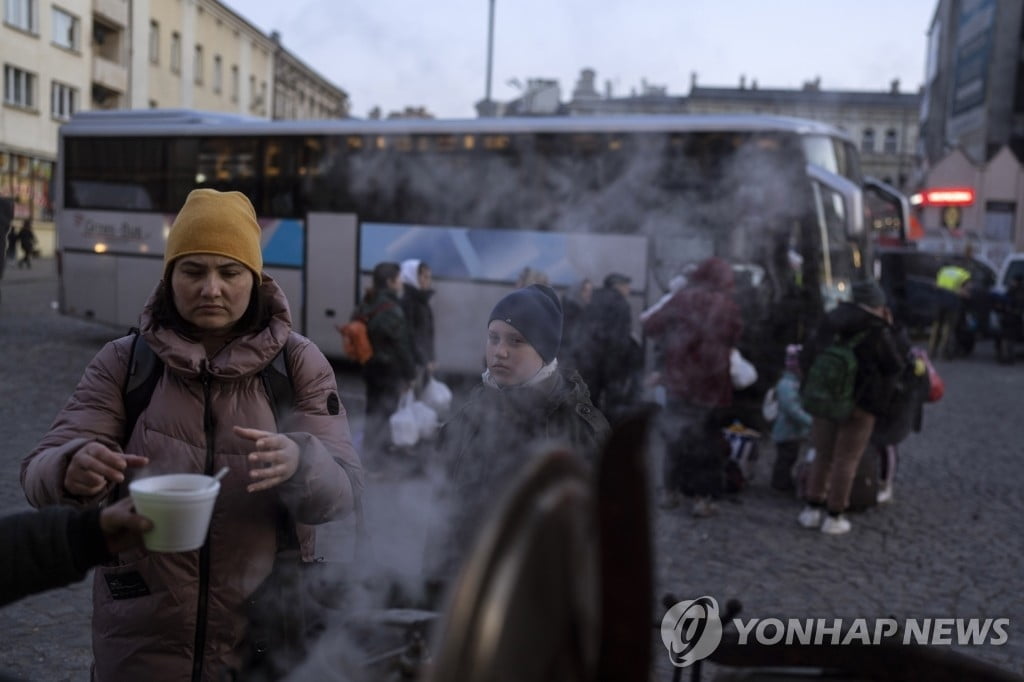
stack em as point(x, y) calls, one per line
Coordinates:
point(275, 460)
point(95, 466)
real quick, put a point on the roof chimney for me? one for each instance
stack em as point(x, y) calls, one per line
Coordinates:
point(743, 82)
point(894, 87)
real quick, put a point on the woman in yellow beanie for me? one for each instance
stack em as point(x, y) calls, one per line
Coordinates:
point(216, 323)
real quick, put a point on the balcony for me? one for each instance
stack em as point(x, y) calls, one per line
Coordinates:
point(109, 74)
point(114, 11)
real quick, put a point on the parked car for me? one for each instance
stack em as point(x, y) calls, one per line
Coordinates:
point(908, 277)
point(1011, 267)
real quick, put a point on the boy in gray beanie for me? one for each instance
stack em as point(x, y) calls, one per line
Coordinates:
point(536, 313)
point(523, 403)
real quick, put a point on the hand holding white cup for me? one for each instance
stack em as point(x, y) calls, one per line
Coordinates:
point(180, 507)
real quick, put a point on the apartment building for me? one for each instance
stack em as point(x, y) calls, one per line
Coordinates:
point(61, 56)
point(47, 75)
point(199, 54)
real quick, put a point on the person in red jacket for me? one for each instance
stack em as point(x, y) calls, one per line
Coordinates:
point(696, 329)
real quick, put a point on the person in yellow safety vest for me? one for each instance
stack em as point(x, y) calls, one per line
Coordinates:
point(951, 281)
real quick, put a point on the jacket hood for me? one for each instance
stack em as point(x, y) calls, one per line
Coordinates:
point(243, 356)
point(410, 273)
point(714, 273)
point(851, 318)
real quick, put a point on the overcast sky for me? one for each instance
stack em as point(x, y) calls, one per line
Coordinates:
point(398, 53)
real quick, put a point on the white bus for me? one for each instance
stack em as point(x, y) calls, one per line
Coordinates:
point(479, 201)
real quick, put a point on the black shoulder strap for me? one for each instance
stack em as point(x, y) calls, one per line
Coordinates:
point(277, 382)
point(144, 371)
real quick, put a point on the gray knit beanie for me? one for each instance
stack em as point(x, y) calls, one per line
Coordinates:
point(536, 313)
point(867, 292)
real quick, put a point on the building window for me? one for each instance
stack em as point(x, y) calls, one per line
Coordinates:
point(252, 93)
point(175, 52)
point(63, 101)
point(154, 42)
point(65, 29)
point(867, 141)
point(19, 87)
point(197, 68)
point(890, 143)
point(234, 82)
point(218, 76)
point(999, 220)
point(21, 14)
point(263, 97)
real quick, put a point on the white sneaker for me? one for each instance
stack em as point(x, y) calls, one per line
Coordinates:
point(810, 517)
point(885, 495)
point(835, 525)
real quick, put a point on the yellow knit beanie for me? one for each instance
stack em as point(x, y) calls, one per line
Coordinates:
point(221, 223)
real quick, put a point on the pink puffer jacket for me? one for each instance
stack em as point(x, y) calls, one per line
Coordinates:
point(154, 613)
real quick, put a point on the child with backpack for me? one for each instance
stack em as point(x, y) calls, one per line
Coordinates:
point(792, 425)
point(850, 370)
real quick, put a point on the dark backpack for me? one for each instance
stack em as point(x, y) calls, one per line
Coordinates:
point(828, 391)
point(145, 370)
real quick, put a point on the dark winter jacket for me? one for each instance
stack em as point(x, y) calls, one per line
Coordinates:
point(879, 360)
point(49, 548)
point(696, 329)
point(573, 310)
point(27, 238)
point(909, 393)
point(420, 317)
point(389, 335)
point(488, 440)
point(604, 348)
point(151, 633)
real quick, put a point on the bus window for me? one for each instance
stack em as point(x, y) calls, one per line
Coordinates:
point(286, 163)
point(123, 173)
point(229, 164)
point(833, 155)
point(838, 263)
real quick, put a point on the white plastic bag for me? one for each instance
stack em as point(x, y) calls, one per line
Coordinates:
point(437, 396)
point(426, 420)
point(405, 430)
point(742, 372)
point(770, 406)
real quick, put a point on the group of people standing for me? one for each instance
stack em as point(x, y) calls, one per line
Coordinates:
point(11, 238)
point(555, 371)
point(25, 237)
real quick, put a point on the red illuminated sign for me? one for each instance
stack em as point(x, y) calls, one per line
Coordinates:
point(944, 196)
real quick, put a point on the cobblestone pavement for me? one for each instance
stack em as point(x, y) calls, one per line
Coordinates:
point(950, 545)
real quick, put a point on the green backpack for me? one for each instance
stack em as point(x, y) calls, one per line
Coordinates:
point(828, 390)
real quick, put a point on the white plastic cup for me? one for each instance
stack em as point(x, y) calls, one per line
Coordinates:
point(180, 507)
